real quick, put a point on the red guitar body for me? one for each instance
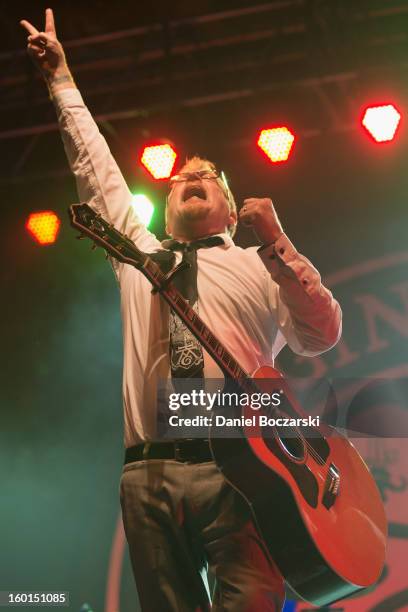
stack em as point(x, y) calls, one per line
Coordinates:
point(323, 521)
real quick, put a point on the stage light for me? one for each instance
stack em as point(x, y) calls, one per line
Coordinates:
point(159, 160)
point(276, 143)
point(381, 122)
point(143, 208)
point(43, 226)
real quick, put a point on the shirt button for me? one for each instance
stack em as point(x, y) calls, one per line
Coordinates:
point(281, 251)
point(305, 281)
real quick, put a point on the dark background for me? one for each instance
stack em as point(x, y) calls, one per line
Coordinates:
point(206, 75)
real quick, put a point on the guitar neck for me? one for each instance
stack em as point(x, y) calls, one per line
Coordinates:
point(122, 248)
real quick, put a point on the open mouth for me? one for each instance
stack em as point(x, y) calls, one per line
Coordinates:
point(192, 191)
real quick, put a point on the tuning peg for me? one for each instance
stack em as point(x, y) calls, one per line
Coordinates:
point(93, 247)
point(80, 237)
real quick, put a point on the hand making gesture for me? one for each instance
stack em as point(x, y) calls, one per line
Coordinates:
point(46, 51)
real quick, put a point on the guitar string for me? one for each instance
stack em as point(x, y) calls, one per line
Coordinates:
point(316, 456)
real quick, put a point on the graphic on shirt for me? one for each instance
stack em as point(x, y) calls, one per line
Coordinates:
point(185, 350)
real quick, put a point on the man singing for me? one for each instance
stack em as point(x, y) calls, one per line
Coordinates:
point(180, 514)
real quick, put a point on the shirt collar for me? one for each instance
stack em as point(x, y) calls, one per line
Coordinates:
point(228, 241)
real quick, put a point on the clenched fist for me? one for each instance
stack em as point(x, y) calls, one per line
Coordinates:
point(260, 214)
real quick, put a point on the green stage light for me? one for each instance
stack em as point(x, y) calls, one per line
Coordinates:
point(143, 207)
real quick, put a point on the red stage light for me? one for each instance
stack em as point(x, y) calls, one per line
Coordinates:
point(43, 226)
point(276, 143)
point(381, 122)
point(159, 160)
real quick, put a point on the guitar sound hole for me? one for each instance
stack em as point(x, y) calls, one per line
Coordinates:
point(291, 443)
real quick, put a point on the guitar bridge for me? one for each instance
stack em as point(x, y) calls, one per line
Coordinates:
point(331, 487)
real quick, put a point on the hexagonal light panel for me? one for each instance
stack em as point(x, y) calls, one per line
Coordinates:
point(159, 160)
point(276, 143)
point(381, 122)
point(43, 226)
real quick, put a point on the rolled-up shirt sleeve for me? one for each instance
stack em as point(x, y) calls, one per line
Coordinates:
point(99, 180)
point(308, 316)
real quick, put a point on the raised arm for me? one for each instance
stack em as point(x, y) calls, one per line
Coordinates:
point(99, 180)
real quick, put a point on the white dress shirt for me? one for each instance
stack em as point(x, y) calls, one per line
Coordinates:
point(255, 301)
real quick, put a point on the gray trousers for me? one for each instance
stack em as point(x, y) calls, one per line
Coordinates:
point(180, 518)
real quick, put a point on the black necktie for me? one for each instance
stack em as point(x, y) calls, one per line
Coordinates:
point(186, 355)
point(186, 279)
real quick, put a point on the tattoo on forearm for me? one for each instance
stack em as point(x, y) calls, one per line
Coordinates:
point(62, 79)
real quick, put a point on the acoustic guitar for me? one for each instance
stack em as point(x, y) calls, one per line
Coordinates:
point(313, 498)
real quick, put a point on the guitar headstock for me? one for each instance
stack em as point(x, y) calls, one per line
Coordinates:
point(90, 224)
